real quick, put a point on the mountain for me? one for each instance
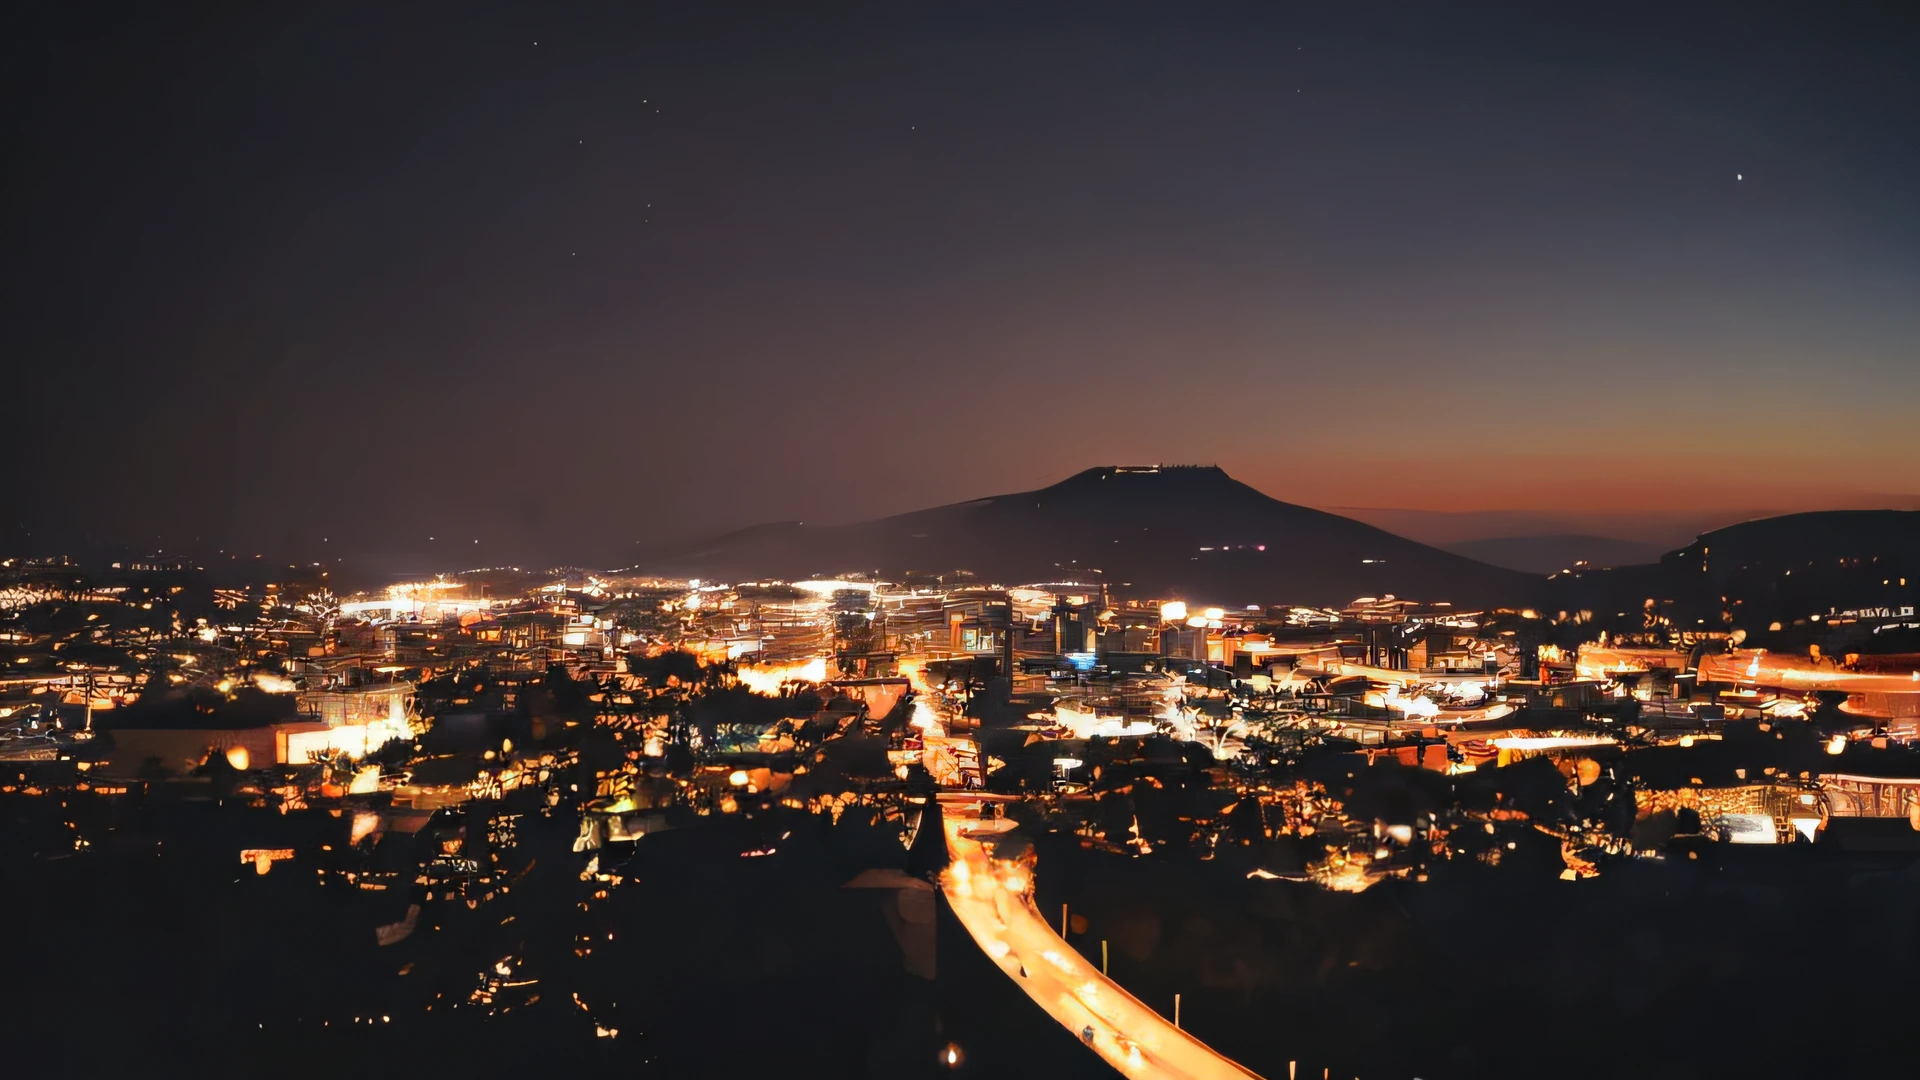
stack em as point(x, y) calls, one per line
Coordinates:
point(1553, 553)
point(1886, 538)
point(1187, 531)
point(1795, 570)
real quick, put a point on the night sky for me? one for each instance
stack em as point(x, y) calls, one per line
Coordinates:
point(571, 282)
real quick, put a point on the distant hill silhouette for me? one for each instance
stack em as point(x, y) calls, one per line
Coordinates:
point(1889, 538)
point(1783, 570)
point(1189, 531)
point(1553, 553)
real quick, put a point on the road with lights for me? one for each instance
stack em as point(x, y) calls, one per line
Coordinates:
point(994, 901)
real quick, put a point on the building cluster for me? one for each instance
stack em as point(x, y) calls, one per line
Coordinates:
point(395, 746)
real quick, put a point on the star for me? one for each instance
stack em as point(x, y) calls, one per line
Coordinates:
point(1737, 176)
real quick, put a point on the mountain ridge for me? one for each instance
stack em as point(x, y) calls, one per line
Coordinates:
point(1552, 552)
point(1193, 531)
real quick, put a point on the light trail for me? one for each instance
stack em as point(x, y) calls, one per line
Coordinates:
point(994, 901)
point(1779, 672)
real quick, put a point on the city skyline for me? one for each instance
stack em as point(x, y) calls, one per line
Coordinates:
point(885, 541)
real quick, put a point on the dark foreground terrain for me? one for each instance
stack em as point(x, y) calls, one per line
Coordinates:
point(153, 950)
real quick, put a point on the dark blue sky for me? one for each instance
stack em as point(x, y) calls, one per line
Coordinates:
point(389, 272)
